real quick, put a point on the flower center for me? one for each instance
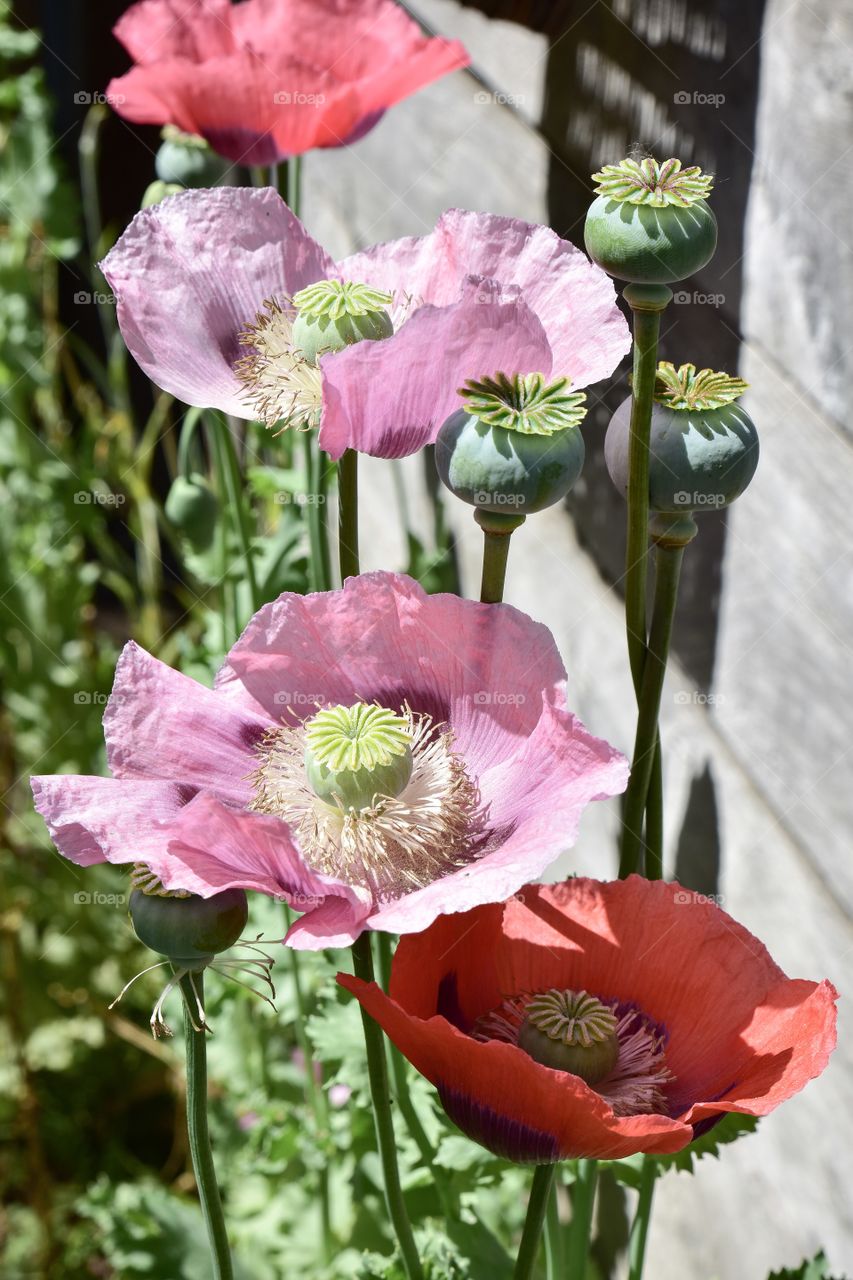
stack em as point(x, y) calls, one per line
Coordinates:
point(337, 298)
point(571, 1031)
point(615, 1048)
point(279, 384)
point(684, 388)
point(376, 798)
point(653, 182)
point(355, 755)
point(524, 403)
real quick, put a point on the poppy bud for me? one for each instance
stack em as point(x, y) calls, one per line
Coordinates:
point(331, 315)
point(649, 223)
point(191, 506)
point(187, 160)
point(189, 930)
point(158, 191)
point(703, 448)
point(515, 447)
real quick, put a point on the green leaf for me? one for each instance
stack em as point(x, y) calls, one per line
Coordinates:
point(732, 1126)
point(810, 1269)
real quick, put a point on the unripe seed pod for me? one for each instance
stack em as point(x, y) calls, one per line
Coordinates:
point(650, 223)
point(332, 315)
point(188, 161)
point(515, 448)
point(191, 506)
point(189, 931)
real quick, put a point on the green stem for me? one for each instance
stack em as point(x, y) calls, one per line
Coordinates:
point(234, 486)
point(317, 1098)
point(554, 1263)
point(377, 1069)
point(654, 819)
point(348, 514)
point(646, 302)
point(667, 570)
point(199, 1138)
point(642, 1217)
point(294, 185)
point(537, 1205)
point(316, 490)
point(583, 1203)
point(497, 531)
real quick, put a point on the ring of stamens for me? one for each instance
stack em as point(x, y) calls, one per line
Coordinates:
point(279, 385)
point(395, 844)
point(636, 1083)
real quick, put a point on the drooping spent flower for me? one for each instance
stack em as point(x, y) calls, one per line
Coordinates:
point(703, 444)
point(288, 336)
point(265, 80)
point(375, 756)
point(591, 1019)
point(650, 222)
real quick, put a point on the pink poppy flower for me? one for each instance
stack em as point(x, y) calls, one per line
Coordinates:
point(509, 1008)
point(470, 770)
point(267, 79)
point(204, 283)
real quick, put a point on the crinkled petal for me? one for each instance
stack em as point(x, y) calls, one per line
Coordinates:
point(193, 29)
point(161, 724)
point(225, 848)
point(190, 273)
point(574, 299)
point(94, 820)
point(390, 398)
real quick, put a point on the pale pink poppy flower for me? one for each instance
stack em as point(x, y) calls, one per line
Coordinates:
point(204, 282)
point(264, 80)
point(210, 788)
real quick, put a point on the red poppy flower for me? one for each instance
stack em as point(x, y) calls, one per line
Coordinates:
point(266, 79)
point(704, 1021)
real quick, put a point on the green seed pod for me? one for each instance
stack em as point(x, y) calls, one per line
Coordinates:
point(331, 315)
point(515, 447)
point(189, 931)
point(187, 160)
point(649, 223)
point(703, 449)
point(354, 754)
point(158, 191)
point(571, 1031)
point(191, 506)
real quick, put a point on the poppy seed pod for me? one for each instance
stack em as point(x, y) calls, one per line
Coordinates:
point(187, 929)
point(355, 755)
point(187, 160)
point(515, 447)
point(650, 223)
point(703, 449)
point(331, 315)
point(191, 506)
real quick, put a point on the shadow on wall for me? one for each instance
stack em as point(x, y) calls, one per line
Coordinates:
point(672, 77)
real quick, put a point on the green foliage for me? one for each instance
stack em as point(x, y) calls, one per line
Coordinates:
point(811, 1269)
point(731, 1127)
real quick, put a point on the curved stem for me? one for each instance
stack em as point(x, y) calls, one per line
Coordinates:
point(199, 1138)
point(497, 531)
point(348, 514)
point(583, 1202)
point(537, 1205)
point(377, 1070)
point(668, 568)
point(554, 1263)
point(642, 1217)
point(233, 482)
